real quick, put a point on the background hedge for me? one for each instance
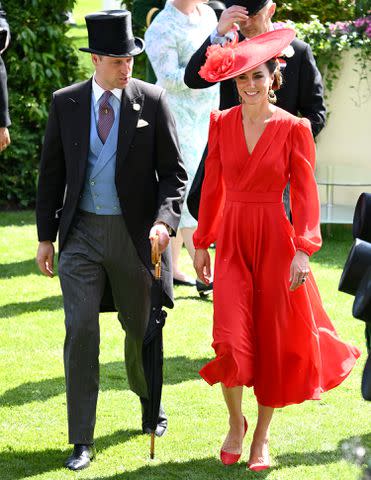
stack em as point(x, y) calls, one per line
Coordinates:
point(41, 59)
point(326, 11)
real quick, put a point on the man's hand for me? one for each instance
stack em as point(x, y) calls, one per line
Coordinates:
point(45, 258)
point(163, 236)
point(230, 17)
point(299, 270)
point(201, 264)
point(4, 138)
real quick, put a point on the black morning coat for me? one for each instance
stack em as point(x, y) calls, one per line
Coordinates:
point(300, 94)
point(4, 33)
point(150, 177)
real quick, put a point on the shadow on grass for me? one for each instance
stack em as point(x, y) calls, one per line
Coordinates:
point(209, 298)
point(211, 468)
point(47, 304)
point(22, 464)
point(18, 269)
point(346, 449)
point(112, 377)
point(16, 465)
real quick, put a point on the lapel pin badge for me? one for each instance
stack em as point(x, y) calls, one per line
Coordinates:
point(136, 107)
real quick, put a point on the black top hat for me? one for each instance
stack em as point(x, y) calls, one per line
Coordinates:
point(217, 6)
point(362, 302)
point(110, 34)
point(252, 6)
point(359, 259)
point(362, 218)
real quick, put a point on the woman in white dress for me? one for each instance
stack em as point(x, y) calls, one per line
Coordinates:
point(171, 39)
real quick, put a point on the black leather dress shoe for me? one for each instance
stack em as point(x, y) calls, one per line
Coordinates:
point(203, 289)
point(161, 423)
point(81, 457)
point(184, 283)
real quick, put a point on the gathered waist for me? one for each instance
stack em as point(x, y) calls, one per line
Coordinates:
point(253, 197)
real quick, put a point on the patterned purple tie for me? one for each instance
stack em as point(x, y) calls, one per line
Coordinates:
point(106, 116)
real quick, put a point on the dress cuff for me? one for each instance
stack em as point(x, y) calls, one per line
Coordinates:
point(304, 245)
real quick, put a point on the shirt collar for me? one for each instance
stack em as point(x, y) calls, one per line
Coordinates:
point(98, 91)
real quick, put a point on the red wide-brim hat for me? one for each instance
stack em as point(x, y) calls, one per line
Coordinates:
point(233, 59)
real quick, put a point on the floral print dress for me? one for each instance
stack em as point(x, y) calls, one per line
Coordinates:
point(171, 40)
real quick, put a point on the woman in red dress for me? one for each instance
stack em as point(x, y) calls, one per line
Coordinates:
point(270, 329)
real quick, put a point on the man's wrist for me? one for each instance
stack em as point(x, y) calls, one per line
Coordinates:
point(216, 38)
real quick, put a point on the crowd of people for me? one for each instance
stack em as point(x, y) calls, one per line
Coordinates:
point(220, 151)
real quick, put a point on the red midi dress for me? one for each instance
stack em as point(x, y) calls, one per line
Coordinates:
point(280, 342)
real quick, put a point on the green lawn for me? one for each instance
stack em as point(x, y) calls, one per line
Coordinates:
point(306, 439)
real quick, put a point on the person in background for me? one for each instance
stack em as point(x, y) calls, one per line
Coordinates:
point(171, 39)
point(4, 107)
point(301, 92)
point(145, 11)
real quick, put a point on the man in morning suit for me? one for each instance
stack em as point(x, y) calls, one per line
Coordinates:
point(4, 110)
point(302, 90)
point(111, 178)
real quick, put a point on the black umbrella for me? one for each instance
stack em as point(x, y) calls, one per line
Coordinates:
point(152, 352)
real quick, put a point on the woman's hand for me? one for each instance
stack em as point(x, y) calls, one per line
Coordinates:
point(299, 270)
point(201, 263)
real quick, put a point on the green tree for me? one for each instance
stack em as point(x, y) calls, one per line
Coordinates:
point(40, 59)
point(328, 11)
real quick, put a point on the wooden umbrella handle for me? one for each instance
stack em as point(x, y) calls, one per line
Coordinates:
point(156, 257)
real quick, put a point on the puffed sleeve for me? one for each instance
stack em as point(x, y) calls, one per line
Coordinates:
point(305, 204)
point(213, 190)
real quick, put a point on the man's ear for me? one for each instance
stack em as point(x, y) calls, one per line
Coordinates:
point(94, 58)
point(272, 10)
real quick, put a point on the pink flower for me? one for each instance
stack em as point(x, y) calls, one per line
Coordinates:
point(278, 25)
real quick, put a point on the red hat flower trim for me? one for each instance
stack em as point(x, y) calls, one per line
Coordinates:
point(220, 60)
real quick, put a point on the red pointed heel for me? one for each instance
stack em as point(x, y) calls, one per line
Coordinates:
point(228, 458)
point(258, 467)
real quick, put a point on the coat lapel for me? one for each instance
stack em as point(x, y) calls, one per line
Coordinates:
point(131, 108)
point(80, 102)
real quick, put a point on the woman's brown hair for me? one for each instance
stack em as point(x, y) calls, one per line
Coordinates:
point(273, 66)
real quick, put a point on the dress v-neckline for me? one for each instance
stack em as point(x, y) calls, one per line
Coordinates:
point(261, 136)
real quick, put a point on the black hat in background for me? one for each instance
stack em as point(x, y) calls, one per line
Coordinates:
point(358, 261)
point(362, 218)
point(252, 6)
point(217, 6)
point(110, 34)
